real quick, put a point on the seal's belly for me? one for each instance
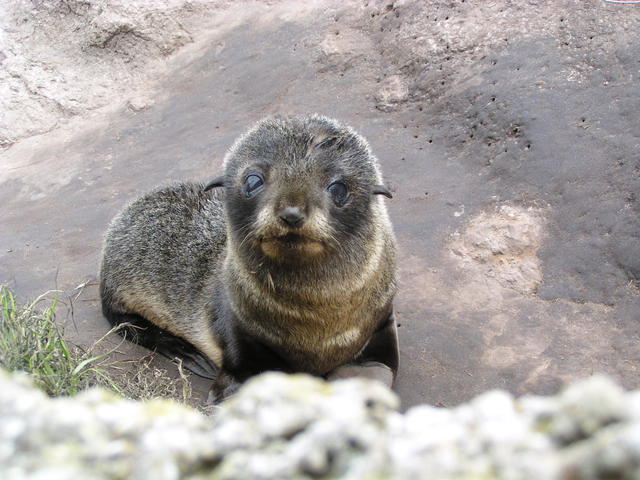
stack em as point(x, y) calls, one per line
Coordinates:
point(317, 348)
point(309, 338)
point(320, 361)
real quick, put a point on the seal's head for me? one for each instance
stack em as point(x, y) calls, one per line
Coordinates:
point(299, 190)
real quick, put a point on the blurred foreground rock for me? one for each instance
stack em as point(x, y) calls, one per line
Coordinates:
point(282, 427)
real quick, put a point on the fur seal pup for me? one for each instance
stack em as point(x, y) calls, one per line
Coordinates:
point(289, 265)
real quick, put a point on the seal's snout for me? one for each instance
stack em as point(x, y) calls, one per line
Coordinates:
point(292, 233)
point(291, 217)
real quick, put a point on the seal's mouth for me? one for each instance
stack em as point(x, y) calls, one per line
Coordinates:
point(291, 244)
point(292, 239)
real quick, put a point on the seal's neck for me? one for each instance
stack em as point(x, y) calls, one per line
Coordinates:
point(332, 279)
point(304, 283)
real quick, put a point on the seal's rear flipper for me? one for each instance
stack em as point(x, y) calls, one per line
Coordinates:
point(138, 330)
point(224, 387)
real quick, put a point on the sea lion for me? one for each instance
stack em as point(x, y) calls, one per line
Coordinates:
point(286, 262)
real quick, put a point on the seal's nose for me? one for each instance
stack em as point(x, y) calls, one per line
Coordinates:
point(291, 216)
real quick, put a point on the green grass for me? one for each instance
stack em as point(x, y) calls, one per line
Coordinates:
point(32, 341)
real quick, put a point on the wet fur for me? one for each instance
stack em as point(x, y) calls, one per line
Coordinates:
point(198, 262)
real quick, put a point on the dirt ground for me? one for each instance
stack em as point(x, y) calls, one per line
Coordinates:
point(508, 132)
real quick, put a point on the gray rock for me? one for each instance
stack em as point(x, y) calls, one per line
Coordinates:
point(295, 426)
point(67, 58)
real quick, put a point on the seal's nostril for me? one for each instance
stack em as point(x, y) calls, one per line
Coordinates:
point(291, 216)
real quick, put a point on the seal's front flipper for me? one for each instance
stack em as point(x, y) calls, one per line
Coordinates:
point(137, 329)
point(371, 370)
point(380, 358)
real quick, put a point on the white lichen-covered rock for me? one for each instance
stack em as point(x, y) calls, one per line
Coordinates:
point(294, 426)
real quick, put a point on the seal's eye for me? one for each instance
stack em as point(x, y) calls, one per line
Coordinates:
point(252, 184)
point(339, 193)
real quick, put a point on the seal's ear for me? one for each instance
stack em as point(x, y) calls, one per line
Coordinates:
point(326, 142)
point(216, 182)
point(381, 190)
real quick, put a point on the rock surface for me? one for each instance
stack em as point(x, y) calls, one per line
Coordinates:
point(297, 427)
point(63, 59)
point(473, 108)
point(503, 245)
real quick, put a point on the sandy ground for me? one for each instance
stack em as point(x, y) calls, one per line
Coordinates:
point(507, 131)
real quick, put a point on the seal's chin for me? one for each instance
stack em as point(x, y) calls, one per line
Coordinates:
point(291, 246)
